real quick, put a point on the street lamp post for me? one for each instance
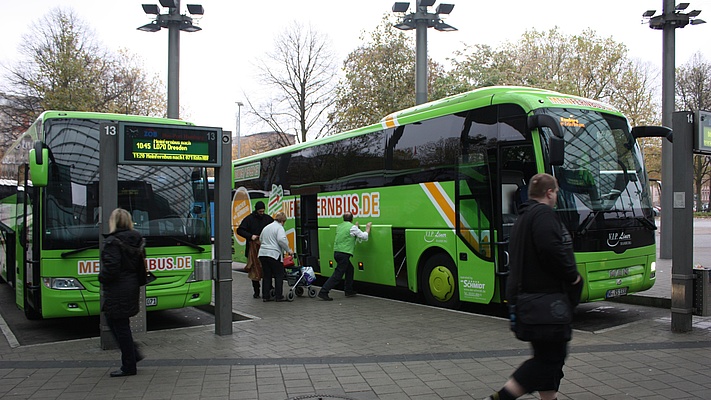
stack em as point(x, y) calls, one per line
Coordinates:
point(239, 128)
point(676, 231)
point(175, 22)
point(420, 20)
point(671, 18)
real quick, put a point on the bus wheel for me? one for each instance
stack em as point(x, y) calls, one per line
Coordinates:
point(31, 313)
point(439, 282)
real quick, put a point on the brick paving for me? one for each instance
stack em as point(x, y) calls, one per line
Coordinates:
point(365, 348)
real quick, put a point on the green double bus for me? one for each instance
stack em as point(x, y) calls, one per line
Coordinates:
point(49, 219)
point(441, 182)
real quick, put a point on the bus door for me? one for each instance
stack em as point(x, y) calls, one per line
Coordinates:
point(28, 291)
point(307, 226)
point(516, 166)
point(473, 192)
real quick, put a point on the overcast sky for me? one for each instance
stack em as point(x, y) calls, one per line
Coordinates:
point(218, 63)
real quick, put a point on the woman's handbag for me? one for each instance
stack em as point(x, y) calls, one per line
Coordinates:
point(289, 261)
point(542, 317)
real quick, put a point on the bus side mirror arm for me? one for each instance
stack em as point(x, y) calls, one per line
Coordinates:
point(652, 131)
point(556, 143)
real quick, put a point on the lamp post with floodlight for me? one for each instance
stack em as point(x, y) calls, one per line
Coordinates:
point(671, 18)
point(420, 20)
point(174, 22)
point(239, 128)
point(676, 159)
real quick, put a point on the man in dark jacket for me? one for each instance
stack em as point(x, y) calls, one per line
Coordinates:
point(121, 275)
point(542, 261)
point(250, 228)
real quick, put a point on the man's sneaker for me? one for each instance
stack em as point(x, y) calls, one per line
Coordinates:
point(351, 293)
point(324, 296)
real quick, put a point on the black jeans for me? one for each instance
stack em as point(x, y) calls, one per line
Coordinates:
point(272, 268)
point(545, 370)
point(121, 329)
point(343, 267)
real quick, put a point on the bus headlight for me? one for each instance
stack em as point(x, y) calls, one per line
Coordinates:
point(653, 267)
point(62, 283)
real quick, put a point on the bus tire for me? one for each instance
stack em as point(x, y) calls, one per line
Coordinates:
point(439, 282)
point(31, 313)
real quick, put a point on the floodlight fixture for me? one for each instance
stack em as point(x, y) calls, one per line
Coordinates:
point(401, 7)
point(152, 27)
point(189, 27)
point(196, 9)
point(694, 13)
point(649, 13)
point(150, 9)
point(167, 3)
point(405, 25)
point(444, 8)
point(681, 6)
point(697, 21)
point(443, 27)
point(425, 3)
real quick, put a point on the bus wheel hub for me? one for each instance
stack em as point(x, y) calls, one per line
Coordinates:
point(441, 283)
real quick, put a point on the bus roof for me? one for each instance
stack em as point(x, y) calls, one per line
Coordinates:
point(52, 114)
point(529, 98)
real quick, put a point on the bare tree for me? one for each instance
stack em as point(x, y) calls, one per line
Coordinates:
point(301, 71)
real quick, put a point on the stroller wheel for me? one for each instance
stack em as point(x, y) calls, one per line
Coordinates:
point(290, 295)
point(312, 292)
point(299, 291)
point(272, 293)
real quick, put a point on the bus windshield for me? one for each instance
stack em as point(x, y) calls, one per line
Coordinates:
point(602, 177)
point(159, 198)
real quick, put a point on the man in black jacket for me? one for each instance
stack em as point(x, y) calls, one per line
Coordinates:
point(250, 228)
point(542, 261)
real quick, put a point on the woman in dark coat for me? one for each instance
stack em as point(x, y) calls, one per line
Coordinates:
point(122, 274)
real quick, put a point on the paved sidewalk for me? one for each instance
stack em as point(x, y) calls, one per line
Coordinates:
point(362, 348)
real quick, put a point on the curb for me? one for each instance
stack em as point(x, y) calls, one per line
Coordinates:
point(647, 301)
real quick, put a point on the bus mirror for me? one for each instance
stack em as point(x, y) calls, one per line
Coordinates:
point(652, 131)
point(545, 121)
point(39, 166)
point(556, 149)
point(556, 143)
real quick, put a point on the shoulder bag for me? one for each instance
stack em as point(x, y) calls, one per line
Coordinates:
point(542, 317)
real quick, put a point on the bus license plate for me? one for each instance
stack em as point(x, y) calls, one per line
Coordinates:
point(616, 292)
point(151, 301)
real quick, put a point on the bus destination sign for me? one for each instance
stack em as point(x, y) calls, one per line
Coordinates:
point(151, 144)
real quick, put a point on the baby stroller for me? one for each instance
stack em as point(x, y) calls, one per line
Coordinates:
point(299, 280)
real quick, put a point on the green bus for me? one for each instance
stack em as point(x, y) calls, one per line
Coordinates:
point(49, 222)
point(441, 183)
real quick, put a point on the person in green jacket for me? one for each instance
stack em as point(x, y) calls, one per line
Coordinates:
point(347, 233)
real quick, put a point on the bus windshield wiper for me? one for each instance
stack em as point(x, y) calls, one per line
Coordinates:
point(585, 225)
point(647, 223)
point(186, 243)
point(79, 250)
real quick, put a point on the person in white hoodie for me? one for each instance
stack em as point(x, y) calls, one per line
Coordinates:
point(274, 245)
